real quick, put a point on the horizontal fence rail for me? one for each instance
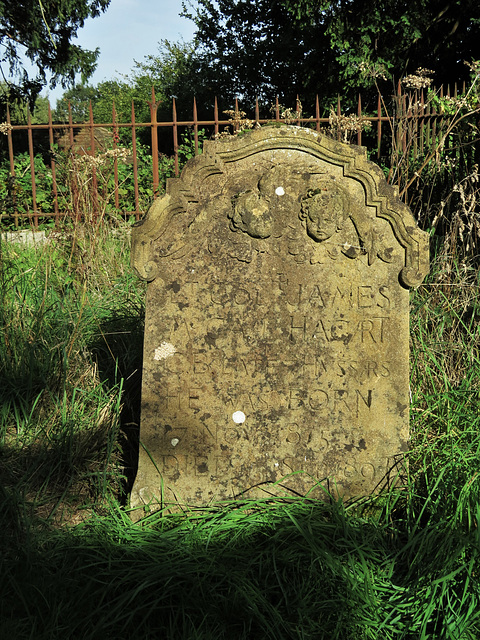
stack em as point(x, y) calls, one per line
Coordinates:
point(79, 152)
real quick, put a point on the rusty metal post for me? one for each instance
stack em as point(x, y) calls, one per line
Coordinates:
point(53, 165)
point(215, 117)
point(94, 189)
point(422, 121)
point(73, 172)
point(32, 170)
point(175, 136)
point(379, 125)
point(135, 165)
point(359, 114)
point(153, 104)
point(339, 113)
point(317, 114)
point(115, 159)
point(12, 167)
point(195, 125)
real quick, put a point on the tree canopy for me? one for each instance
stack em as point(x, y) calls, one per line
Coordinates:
point(42, 32)
point(170, 71)
point(283, 47)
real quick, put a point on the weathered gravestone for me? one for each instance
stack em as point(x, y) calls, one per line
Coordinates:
point(276, 332)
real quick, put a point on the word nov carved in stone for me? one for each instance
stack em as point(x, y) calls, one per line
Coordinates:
point(276, 331)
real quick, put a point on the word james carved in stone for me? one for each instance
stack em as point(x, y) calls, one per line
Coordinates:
point(276, 331)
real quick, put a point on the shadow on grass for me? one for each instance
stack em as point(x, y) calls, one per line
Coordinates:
point(118, 352)
point(281, 570)
point(66, 446)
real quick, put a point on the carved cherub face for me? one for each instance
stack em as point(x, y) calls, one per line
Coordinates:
point(251, 214)
point(324, 212)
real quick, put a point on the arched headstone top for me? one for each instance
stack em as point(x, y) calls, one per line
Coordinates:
point(320, 167)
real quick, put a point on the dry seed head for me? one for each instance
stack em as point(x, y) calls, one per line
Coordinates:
point(372, 70)
point(286, 113)
point(238, 121)
point(347, 125)
point(419, 79)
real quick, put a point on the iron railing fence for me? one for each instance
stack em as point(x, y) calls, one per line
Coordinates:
point(412, 127)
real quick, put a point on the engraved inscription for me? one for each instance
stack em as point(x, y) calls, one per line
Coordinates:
point(276, 326)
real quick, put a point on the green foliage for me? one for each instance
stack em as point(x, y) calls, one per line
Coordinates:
point(76, 193)
point(79, 97)
point(328, 47)
point(19, 110)
point(16, 192)
point(102, 98)
point(44, 31)
point(254, 49)
point(171, 73)
point(397, 37)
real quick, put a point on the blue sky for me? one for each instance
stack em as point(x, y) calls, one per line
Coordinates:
point(130, 30)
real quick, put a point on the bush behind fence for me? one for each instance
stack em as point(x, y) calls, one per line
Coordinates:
point(94, 171)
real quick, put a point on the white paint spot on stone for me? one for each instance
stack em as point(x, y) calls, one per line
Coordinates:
point(280, 191)
point(174, 442)
point(165, 350)
point(276, 464)
point(238, 417)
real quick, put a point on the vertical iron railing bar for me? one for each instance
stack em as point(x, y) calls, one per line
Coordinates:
point(73, 173)
point(153, 104)
point(70, 124)
point(422, 121)
point(339, 113)
point(404, 144)
point(175, 136)
point(32, 170)
point(317, 114)
point(215, 117)
point(414, 123)
point(236, 119)
point(12, 167)
point(379, 126)
point(115, 159)
point(94, 168)
point(433, 140)
point(359, 115)
point(135, 165)
point(428, 137)
point(195, 125)
point(53, 165)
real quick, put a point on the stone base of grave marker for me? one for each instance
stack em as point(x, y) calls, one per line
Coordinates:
point(277, 324)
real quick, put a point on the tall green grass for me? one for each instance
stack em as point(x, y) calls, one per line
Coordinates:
point(403, 564)
point(61, 387)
